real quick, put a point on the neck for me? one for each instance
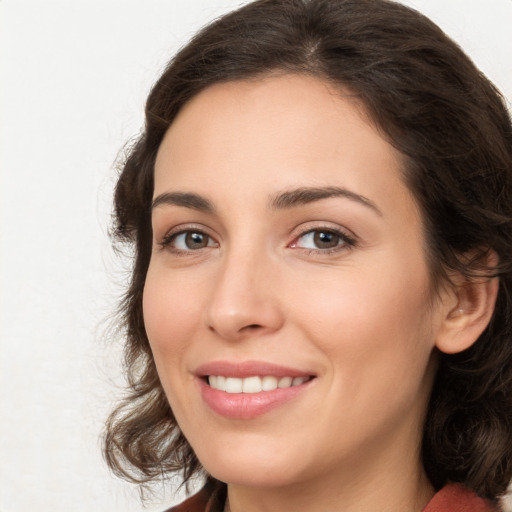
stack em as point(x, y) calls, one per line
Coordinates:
point(328, 499)
point(383, 483)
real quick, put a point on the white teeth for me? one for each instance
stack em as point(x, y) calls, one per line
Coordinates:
point(297, 381)
point(253, 384)
point(285, 382)
point(269, 383)
point(217, 382)
point(233, 385)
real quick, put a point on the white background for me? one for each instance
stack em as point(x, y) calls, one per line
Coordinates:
point(73, 79)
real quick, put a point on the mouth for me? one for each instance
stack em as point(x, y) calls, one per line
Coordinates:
point(254, 384)
point(250, 389)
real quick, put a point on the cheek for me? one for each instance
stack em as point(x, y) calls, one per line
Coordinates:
point(171, 315)
point(379, 350)
point(373, 327)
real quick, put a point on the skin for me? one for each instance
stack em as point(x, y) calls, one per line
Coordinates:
point(361, 317)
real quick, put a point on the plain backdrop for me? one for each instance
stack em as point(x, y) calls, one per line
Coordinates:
point(73, 79)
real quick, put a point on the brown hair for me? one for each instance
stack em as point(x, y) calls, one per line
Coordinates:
point(453, 130)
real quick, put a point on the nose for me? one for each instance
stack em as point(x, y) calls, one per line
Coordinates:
point(245, 299)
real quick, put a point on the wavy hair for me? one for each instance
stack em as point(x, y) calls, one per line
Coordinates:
point(452, 127)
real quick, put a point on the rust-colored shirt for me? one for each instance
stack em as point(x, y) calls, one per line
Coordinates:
point(451, 498)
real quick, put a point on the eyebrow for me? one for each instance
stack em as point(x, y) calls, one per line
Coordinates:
point(184, 199)
point(305, 195)
point(281, 201)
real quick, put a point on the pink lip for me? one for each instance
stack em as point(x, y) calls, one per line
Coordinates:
point(248, 369)
point(247, 405)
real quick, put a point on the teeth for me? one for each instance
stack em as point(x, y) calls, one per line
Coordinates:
point(269, 383)
point(221, 382)
point(285, 382)
point(253, 384)
point(297, 381)
point(233, 385)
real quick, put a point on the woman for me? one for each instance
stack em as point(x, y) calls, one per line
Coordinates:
point(319, 312)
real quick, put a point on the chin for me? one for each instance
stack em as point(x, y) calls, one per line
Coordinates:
point(252, 468)
point(255, 477)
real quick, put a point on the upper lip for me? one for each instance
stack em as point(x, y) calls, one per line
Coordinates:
point(248, 369)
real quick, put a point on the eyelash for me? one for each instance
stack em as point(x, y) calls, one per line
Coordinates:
point(169, 238)
point(347, 242)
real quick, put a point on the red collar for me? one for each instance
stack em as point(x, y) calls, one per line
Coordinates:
point(451, 498)
point(457, 498)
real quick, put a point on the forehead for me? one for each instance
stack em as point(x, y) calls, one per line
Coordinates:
point(267, 110)
point(276, 133)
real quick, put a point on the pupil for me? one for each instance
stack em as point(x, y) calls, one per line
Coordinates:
point(325, 240)
point(195, 240)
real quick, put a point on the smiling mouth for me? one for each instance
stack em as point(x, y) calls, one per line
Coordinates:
point(254, 384)
point(247, 390)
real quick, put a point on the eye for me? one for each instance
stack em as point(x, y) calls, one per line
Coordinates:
point(323, 240)
point(188, 241)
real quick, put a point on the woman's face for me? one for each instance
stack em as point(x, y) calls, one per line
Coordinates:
point(288, 263)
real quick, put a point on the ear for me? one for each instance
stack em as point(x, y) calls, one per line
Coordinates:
point(467, 311)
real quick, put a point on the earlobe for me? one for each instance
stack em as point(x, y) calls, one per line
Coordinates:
point(468, 314)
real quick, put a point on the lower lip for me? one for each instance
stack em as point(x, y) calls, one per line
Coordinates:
point(246, 406)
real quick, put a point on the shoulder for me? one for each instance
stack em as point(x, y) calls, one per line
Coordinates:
point(210, 498)
point(457, 498)
point(451, 498)
point(196, 503)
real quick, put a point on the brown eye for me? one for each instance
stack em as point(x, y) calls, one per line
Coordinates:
point(196, 240)
point(325, 239)
point(189, 241)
